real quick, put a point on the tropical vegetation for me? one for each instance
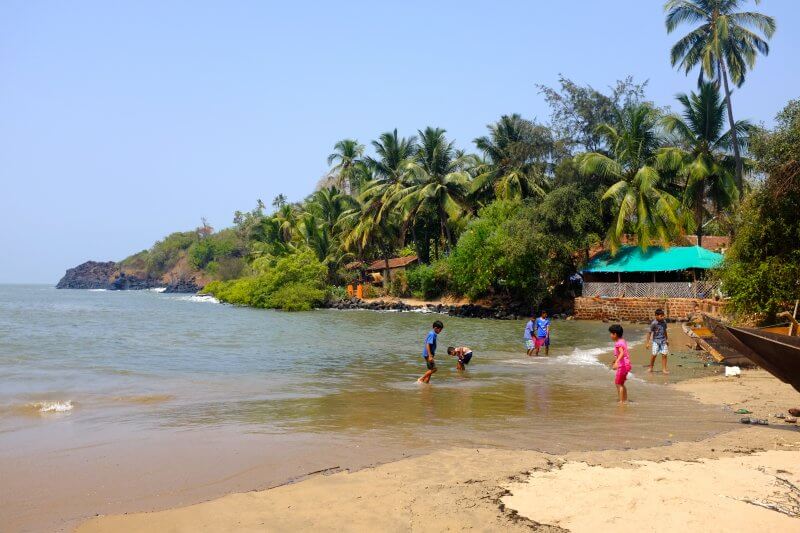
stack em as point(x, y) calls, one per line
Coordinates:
point(514, 215)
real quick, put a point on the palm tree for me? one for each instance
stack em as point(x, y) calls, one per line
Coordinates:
point(642, 206)
point(329, 205)
point(391, 153)
point(348, 168)
point(279, 201)
point(436, 179)
point(726, 43)
point(286, 217)
point(514, 150)
point(703, 156)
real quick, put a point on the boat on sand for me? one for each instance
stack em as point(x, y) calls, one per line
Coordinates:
point(777, 353)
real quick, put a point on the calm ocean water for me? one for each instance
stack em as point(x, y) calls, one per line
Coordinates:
point(79, 368)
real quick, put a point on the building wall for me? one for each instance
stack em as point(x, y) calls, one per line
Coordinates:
point(640, 309)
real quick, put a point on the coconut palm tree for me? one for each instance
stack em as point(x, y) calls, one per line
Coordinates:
point(347, 169)
point(725, 44)
point(436, 179)
point(641, 205)
point(287, 218)
point(329, 205)
point(391, 153)
point(515, 149)
point(703, 156)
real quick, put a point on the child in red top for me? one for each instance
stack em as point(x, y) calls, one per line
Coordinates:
point(622, 361)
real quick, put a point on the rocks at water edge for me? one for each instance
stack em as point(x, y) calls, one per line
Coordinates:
point(183, 285)
point(104, 275)
point(89, 275)
point(462, 311)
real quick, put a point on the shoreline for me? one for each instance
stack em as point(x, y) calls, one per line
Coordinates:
point(489, 484)
point(502, 488)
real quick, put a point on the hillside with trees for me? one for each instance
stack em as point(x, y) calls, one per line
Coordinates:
point(514, 214)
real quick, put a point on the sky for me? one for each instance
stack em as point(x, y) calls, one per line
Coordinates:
point(121, 122)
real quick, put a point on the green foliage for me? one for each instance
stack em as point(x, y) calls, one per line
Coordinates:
point(213, 247)
point(336, 292)
point(428, 281)
point(762, 288)
point(398, 285)
point(295, 282)
point(165, 253)
point(761, 273)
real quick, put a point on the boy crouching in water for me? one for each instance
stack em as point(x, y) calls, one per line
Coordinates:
point(463, 355)
point(622, 361)
point(429, 351)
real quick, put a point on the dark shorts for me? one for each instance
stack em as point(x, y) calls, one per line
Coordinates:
point(431, 364)
point(466, 359)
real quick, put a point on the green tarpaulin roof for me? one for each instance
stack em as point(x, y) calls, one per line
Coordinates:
point(655, 259)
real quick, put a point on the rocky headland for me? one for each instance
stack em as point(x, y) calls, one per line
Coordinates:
point(111, 276)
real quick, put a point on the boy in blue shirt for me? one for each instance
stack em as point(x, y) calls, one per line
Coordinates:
point(429, 351)
point(542, 334)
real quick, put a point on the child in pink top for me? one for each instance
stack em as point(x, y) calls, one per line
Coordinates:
point(622, 361)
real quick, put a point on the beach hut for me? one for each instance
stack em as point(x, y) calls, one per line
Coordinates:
point(658, 272)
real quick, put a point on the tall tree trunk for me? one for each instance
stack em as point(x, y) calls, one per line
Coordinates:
point(698, 215)
point(734, 136)
point(445, 229)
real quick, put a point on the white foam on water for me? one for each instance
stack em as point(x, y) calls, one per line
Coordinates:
point(98, 290)
point(157, 289)
point(202, 298)
point(583, 357)
point(54, 407)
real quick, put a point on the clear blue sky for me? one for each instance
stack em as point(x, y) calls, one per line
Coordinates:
point(121, 122)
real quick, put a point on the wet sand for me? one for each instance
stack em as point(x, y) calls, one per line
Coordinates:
point(127, 451)
point(737, 480)
point(666, 487)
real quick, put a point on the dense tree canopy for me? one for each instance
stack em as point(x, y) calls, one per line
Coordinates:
point(515, 215)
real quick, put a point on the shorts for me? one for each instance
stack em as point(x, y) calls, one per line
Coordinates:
point(430, 363)
point(541, 341)
point(466, 359)
point(622, 375)
point(660, 347)
point(529, 344)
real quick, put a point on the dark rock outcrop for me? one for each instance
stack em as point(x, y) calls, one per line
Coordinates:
point(89, 275)
point(128, 282)
point(104, 275)
point(184, 285)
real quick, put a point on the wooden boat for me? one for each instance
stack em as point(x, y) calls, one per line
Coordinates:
point(778, 354)
point(721, 349)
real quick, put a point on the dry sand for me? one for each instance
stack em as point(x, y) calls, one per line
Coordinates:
point(743, 480)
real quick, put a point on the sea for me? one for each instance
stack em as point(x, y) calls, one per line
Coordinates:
point(119, 401)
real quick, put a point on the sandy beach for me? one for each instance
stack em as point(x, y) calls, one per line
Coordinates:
point(741, 480)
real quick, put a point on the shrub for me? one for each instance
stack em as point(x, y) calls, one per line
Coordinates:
point(426, 281)
point(292, 283)
point(296, 297)
point(398, 286)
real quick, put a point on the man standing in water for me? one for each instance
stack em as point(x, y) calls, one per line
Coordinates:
point(542, 334)
point(429, 351)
